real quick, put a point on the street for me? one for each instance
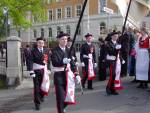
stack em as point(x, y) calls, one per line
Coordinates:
point(129, 100)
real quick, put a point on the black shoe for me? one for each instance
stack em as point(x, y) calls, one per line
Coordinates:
point(42, 99)
point(134, 81)
point(37, 106)
point(83, 86)
point(115, 93)
point(90, 88)
point(140, 86)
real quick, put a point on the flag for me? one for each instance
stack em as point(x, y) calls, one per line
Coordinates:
point(138, 9)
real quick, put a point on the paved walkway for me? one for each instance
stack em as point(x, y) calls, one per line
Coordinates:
point(130, 100)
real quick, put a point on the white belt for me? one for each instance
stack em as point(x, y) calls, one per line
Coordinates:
point(38, 66)
point(108, 57)
point(58, 69)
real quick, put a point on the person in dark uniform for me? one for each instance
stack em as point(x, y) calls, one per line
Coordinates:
point(38, 59)
point(112, 51)
point(86, 49)
point(59, 60)
point(73, 52)
point(101, 60)
point(27, 55)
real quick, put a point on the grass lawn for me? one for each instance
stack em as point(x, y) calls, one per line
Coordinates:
point(2, 84)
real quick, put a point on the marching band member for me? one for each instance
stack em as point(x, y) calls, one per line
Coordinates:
point(114, 65)
point(64, 79)
point(88, 60)
point(39, 71)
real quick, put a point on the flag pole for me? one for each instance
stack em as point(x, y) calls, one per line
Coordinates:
point(77, 27)
point(123, 29)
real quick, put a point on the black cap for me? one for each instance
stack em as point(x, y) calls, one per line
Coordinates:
point(69, 39)
point(40, 38)
point(61, 34)
point(114, 33)
point(88, 34)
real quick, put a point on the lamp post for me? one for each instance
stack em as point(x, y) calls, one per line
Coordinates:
point(5, 12)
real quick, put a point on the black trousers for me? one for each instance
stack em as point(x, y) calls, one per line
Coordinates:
point(124, 66)
point(85, 77)
point(60, 90)
point(110, 85)
point(102, 70)
point(37, 80)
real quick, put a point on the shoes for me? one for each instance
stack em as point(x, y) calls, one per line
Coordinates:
point(90, 88)
point(37, 107)
point(115, 93)
point(42, 99)
point(140, 86)
point(134, 81)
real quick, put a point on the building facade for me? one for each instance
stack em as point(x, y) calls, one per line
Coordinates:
point(63, 15)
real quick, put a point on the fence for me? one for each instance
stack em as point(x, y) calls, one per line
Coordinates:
point(3, 67)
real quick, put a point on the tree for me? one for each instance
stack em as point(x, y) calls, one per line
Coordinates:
point(19, 11)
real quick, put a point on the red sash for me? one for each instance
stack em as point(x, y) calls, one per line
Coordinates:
point(70, 86)
point(91, 73)
point(117, 82)
point(45, 86)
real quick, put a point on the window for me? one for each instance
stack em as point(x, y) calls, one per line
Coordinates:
point(68, 31)
point(58, 0)
point(42, 32)
point(50, 32)
point(68, 12)
point(59, 13)
point(79, 31)
point(102, 5)
point(102, 28)
point(50, 15)
point(19, 33)
point(58, 30)
point(78, 10)
point(34, 33)
point(50, 1)
point(35, 19)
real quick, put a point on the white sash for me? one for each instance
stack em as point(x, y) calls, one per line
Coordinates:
point(70, 86)
point(117, 81)
point(91, 74)
point(45, 86)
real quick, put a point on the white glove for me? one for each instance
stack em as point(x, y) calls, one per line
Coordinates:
point(85, 56)
point(66, 60)
point(78, 79)
point(32, 74)
point(123, 62)
point(73, 58)
point(83, 65)
point(95, 65)
point(118, 46)
point(48, 72)
point(77, 64)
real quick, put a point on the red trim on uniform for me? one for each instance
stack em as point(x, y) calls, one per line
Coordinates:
point(84, 72)
point(116, 81)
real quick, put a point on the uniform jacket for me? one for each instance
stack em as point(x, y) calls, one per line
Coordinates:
point(57, 61)
point(85, 50)
point(38, 57)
